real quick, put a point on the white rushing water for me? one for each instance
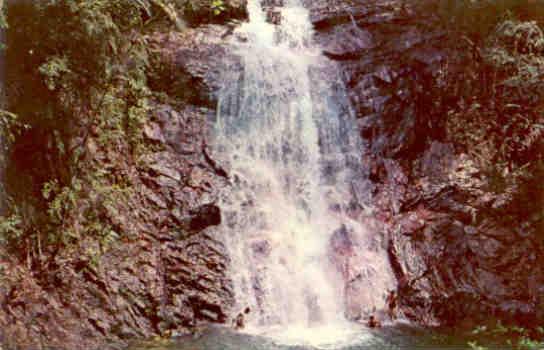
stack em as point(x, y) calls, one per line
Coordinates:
point(286, 135)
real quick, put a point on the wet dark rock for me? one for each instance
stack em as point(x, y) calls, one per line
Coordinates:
point(355, 43)
point(272, 3)
point(450, 270)
point(203, 217)
point(189, 65)
point(341, 242)
point(388, 54)
point(261, 248)
point(273, 17)
point(326, 13)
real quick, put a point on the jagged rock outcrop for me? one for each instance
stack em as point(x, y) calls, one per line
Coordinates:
point(455, 258)
point(166, 276)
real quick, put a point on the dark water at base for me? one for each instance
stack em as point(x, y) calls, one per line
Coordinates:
point(393, 338)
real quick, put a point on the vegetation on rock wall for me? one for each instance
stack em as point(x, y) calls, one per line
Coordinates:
point(495, 114)
point(77, 81)
point(494, 106)
point(516, 338)
point(104, 179)
point(77, 96)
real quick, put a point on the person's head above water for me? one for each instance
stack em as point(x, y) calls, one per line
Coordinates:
point(247, 310)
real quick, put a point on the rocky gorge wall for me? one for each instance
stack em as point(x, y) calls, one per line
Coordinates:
point(464, 250)
point(456, 254)
point(162, 271)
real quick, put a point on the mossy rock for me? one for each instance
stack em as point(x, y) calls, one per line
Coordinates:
point(199, 12)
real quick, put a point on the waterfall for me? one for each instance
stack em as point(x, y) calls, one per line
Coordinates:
point(287, 136)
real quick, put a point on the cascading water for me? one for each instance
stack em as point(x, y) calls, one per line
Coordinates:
point(286, 135)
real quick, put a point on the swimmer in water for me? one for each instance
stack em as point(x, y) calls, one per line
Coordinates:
point(239, 321)
point(373, 322)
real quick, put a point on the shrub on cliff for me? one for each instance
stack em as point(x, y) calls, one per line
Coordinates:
point(500, 118)
point(478, 18)
point(77, 78)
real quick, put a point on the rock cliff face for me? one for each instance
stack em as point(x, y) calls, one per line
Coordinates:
point(166, 274)
point(461, 249)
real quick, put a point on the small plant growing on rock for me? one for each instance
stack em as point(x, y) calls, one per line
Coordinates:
point(513, 337)
point(10, 227)
point(218, 6)
point(53, 71)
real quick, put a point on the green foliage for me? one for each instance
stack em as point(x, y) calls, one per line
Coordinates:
point(93, 202)
point(88, 34)
point(217, 7)
point(3, 19)
point(3, 22)
point(62, 199)
point(513, 337)
point(197, 12)
point(171, 8)
point(78, 74)
point(10, 228)
point(54, 71)
point(11, 126)
point(502, 121)
point(77, 93)
point(474, 346)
